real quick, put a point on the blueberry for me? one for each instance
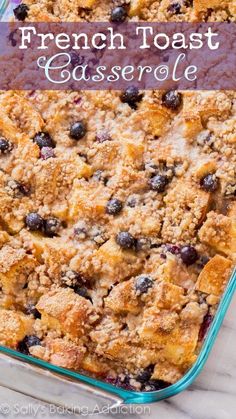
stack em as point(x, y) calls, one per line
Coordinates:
point(122, 382)
point(209, 183)
point(145, 375)
point(72, 279)
point(31, 309)
point(118, 14)
point(188, 255)
point(47, 153)
point(18, 189)
point(174, 8)
point(158, 183)
point(27, 342)
point(34, 221)
point(5, 146)
point(78, 130)
point(21, 12)
point(131, 96)
point(43, 139)
point(154, 385)
point(52, 226)
point(172, 99)
point(114, 206)
point(83, 292)
point(208, 318)
point(125, 240)
point(143, 283)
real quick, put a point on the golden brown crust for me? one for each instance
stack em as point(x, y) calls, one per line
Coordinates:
point(214, 276)
point(65, 310)
point(123, 330)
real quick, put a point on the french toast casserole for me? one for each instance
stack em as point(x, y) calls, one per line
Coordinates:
point(117, 213)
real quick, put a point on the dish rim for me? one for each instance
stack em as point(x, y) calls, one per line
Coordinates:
point(137, 397)
point(129, 396)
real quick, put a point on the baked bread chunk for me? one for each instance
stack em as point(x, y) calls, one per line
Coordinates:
point(117, 213)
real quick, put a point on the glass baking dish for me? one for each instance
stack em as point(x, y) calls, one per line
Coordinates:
point(78, 392)
point(67, 388)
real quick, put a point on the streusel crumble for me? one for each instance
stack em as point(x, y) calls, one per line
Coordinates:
point(117, 215)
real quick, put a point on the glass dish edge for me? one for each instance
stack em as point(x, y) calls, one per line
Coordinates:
point(126, 395)
point(135, 397)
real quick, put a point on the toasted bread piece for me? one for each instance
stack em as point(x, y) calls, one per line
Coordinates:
point(167, 372)
point(87, 200)
point(214, 276)
point(14, 326)
point(202, 5)
point(123, 299)
point(66, 311)
point(116, 262)
point(187, 206)
point(65, 354)
point(168, 296)
point(219, 232)
point(94, 364)
point(156, 117)
point(175, 336)
point(15, 267)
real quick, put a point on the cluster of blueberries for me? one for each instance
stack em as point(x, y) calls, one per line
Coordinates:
point(118, 14)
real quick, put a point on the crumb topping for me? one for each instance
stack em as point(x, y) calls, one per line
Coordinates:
point(117, 213)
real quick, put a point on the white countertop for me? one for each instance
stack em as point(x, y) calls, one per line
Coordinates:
point(212, 396)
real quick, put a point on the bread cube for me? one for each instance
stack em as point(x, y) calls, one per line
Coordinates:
point(88, 200)
point(14, 326)
point(219, 232)
point(115, 263)
point(4, 238)
point(158, 325)
point(132, 154)
point(10, 217)
point(15, 267)
point(206, 103)
point(155, 116)
point(167, 372)
point(123, 299)
point(64, 353)
point(205, 168)
point(176, 338)
point(168, 296)
point(203, 6)
point(24, 118)
point(65, 311)
point(52, 248)
point(136, 7)
point(176, 272)
point(214, 276)
point(54, 177)
point(192, 125)
point(145, 221)
point(86, 4)
point(187, 206)
point(94, 365)
point(232, 211)
point(181, 348)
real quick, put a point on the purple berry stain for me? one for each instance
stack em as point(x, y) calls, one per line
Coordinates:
point(208, 318)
